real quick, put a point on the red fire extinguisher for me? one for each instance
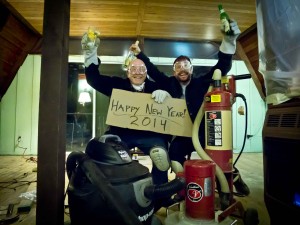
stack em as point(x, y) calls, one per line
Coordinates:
point(217, 157)
point(218, 125)
point(200, 174)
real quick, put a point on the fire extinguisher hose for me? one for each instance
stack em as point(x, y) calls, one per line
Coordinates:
point(197, 145)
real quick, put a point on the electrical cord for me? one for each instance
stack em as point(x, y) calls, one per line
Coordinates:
point(16, 182)
point(246, 127)
point(29, 159)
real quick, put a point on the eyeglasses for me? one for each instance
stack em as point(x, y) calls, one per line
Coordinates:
point(182, 65)
point(137, 69)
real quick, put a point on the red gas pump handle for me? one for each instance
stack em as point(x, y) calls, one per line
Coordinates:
point(242, 76)
point(229, 82)
point(235, 77)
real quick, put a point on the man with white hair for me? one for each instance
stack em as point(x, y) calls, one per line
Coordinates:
point(151, 143)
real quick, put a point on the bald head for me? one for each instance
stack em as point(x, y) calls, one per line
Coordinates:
point(137, 72)
point(137, 62)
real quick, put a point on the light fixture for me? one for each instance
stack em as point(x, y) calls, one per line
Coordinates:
point(84, 97)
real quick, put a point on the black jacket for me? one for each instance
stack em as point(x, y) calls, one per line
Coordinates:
point(197, 87)
point(105, 84)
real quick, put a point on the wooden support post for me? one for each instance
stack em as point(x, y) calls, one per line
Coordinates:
point(52, 113)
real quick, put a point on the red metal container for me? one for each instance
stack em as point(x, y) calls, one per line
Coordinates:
point(200, 189)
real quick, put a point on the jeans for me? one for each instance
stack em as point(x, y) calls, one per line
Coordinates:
point(181, 147)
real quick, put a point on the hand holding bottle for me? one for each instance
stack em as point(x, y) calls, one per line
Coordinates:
point(89, 44)
point(228, 26)
point(135, 48)
point(228, 44)
point(225, 20)
point(234, 28)
point(90, 39)
point(230, 30)
point(130, 56)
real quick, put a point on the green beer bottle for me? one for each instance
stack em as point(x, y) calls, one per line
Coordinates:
point(225, 20)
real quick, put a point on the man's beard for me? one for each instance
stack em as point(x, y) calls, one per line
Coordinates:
point(186, 79)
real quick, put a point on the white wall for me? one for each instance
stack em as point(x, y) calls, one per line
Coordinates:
point(256, 112)
point(19, 110)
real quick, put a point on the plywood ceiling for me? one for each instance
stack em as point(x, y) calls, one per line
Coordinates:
point(159, 19)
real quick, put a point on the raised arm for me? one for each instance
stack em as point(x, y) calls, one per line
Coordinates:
point(101, 83)
point(152, 70)
point(227, 49)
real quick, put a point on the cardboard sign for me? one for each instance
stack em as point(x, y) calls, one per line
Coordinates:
point(140, 112)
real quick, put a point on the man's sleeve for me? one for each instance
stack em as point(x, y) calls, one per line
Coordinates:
point(224, 64)
point(101, 83)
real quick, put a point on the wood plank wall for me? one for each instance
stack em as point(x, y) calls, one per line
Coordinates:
point(247, 49)
point(17, 39)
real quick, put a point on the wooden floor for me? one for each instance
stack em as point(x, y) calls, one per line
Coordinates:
point(18, 175)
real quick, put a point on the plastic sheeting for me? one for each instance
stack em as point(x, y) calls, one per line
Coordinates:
point(279, 48)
